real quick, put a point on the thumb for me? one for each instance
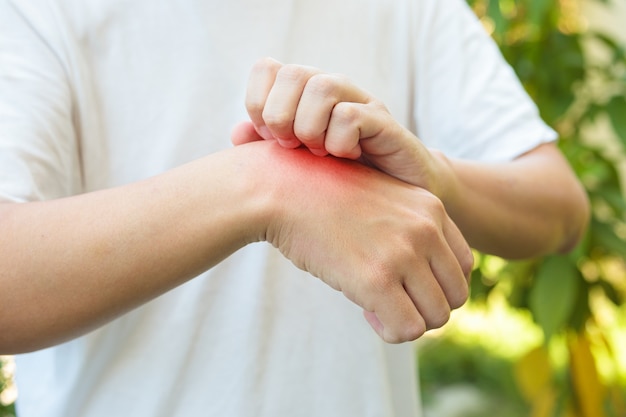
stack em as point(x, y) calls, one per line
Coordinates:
point(374, 321)
point(244, 132)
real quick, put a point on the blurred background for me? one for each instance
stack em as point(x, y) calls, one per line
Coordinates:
point(547, 337)
point(543, 337)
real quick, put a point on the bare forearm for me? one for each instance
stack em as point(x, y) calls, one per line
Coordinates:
point(528, 207)
point(70, 265)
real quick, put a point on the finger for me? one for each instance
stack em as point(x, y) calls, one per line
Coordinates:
point(244, 132)
point(374, 321)
point(260, 82)
point(321, 94)
point(344, 130)
point(395, 317)
point(282, 102)
point(460, 247)
point(357, 128)
point(428, 297)
point(453, 267)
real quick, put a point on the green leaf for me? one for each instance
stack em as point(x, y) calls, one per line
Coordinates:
point(553, 297)
point(616, 109)
point(614, 199)
point(603, 235)
point(538, 10)
point(494, 11)
point(611, 293)
point(611, 44)
point(580, 316)
point(479, 289)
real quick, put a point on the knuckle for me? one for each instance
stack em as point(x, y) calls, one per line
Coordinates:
point(431, 216)
point(433, 203)
point(385, 267)
point(467, 262)
point(266, 69)
point(254, 105)
point(277, 120)
point(460, 296)
point(266, 64)
point(379, 105)
point(293, 72)
point(306, 133)
point(415, 331)
point(404, 251)
point(429, 230)
point(381, 277)
point(411, 331)
point(323, 85)
point(346, 113)
point(438, 318)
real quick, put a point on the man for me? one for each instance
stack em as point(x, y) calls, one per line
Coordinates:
point(128, 269)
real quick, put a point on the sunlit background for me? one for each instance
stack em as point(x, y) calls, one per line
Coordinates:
point(544, 337)
point(547, 337)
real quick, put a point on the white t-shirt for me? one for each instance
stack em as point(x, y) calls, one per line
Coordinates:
point(99, 93)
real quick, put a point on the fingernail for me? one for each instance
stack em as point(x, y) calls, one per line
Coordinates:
point(318, 152)
point(289, 143)
point(265, 133)
point(374, 321)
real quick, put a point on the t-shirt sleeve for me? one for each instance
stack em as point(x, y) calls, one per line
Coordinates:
point(469, 102)
point(38, 147)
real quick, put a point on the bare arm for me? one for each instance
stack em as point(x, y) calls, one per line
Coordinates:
point(70, 265)
point(530, 206)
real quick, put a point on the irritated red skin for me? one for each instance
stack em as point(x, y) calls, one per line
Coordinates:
point(301, 158)
point(331, 173)
point(329, 165)
point(344, 176)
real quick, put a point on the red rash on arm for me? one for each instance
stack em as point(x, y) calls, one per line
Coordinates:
point(329, 171)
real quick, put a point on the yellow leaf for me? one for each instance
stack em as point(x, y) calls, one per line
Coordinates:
point(543, 404)
point(589, 390)
point(533, 373)
point(617, 401)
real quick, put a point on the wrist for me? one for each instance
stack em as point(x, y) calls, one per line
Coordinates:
point(253, 181)
point(447, 185)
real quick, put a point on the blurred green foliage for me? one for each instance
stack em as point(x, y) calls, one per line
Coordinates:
point(548, 43)
point(446, 363)
point(6, 410)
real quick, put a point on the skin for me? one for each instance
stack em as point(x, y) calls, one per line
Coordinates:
point(531, 206)
point(73, 264)
point(379, 217)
